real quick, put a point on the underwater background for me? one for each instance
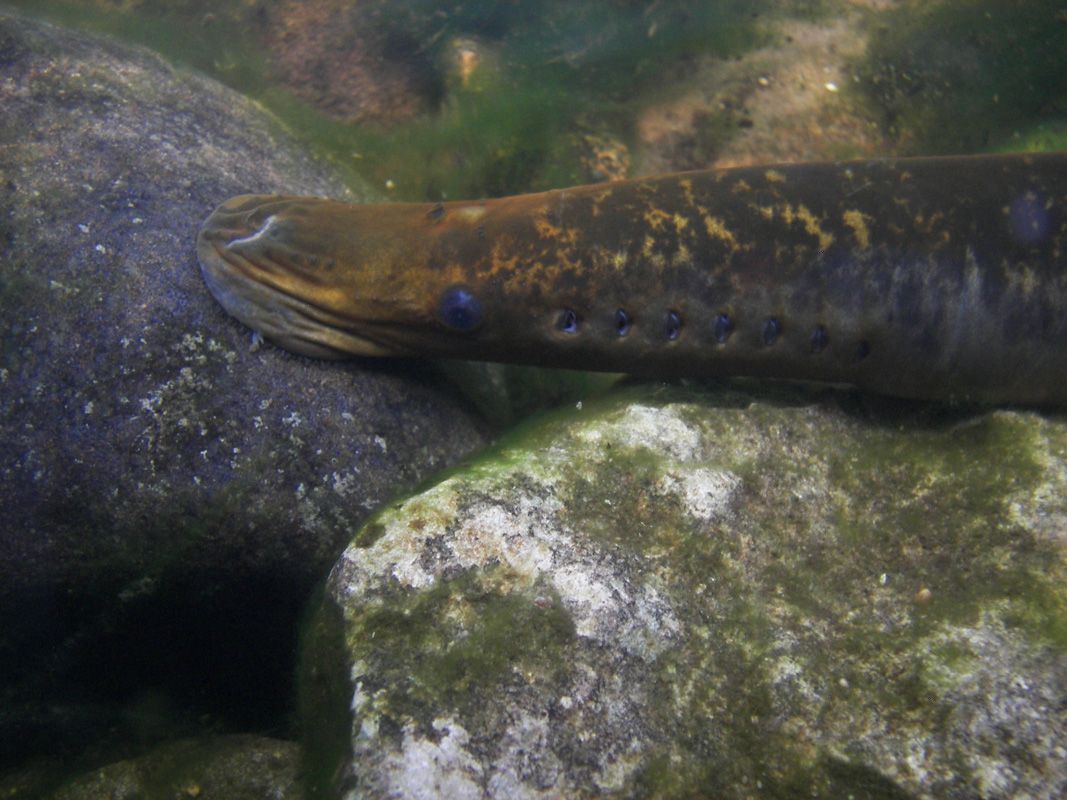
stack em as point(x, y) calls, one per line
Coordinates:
point(175, 496)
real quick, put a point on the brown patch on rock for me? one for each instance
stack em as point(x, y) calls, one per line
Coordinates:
point(786, 102)
point(604, 158)
point(338, 58)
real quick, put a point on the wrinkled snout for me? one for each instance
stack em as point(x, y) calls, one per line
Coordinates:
point(260, 257)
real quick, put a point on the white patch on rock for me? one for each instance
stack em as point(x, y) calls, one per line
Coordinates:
point(523, 538)
point(346, 484)
point(1000, 686)
point(427, 770)
point(605, 608)
point(707, 495)
point(1041, 508)
point(526, 535)
point(526, 768)
point(658, 429)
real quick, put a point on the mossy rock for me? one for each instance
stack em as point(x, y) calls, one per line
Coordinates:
point(212, 768)
point(677, 593)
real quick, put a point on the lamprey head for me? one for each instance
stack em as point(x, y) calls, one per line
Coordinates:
point(320, 277)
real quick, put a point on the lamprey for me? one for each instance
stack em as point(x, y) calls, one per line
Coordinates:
point(941, 278)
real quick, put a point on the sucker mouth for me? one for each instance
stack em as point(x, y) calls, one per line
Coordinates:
point(254, 290)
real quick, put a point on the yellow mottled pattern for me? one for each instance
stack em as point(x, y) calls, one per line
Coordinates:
point(687, 190)
point(656, 218)
point(812, 226)
point(547, 276)
point(717, 229)
point(857, 220)
point(682, 257)
point(599, 198)
point(549, 231)
point(799, 214)
point(774, 176)
point(648, 250)
point(503, 258)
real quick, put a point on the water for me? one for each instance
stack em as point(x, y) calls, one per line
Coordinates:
point(428, 101)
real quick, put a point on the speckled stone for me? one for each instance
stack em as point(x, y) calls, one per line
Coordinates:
point(170, 493)
point(699, 594)
point(212, 768)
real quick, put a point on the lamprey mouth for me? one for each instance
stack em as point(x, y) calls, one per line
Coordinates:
point(252, 262)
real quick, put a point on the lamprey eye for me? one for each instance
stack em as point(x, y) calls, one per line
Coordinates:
point(568, 321)
point(724, 326)
point(819, 339)
point(771, 328)
point(622, 322)
point(460, 310)
point(674, 325)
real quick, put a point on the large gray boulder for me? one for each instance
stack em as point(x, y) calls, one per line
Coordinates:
point(675, 594)
point(170, 493)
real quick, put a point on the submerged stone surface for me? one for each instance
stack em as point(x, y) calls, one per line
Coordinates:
point(170, 493)
point(213, 768)
point(681, 594)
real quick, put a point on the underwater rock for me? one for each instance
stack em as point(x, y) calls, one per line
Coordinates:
point(170, 492)
point(678, 593)
point(769, 104)
point(213, 768)
point(333, 54)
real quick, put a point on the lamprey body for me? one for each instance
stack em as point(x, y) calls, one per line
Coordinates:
point(940, 278)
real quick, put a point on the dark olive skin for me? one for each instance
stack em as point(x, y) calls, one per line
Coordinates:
point(941, 278)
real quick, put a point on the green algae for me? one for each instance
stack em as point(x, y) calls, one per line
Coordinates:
point(946, 497)
point(1042, 137)
point(968, 475)
point(504, 394)
point(453, 644)
point(552, 69)
point(238, 767)
point(944, 491)
point(954, 76)
point(961, 76)
point(805, 630)
point(324, 696)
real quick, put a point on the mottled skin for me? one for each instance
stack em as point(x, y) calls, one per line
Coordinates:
point(940, 278)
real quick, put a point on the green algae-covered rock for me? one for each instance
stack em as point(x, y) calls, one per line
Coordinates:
point(681, 594)
point(212, 768)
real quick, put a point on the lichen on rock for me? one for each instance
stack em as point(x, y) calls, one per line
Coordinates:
point(680, 593)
